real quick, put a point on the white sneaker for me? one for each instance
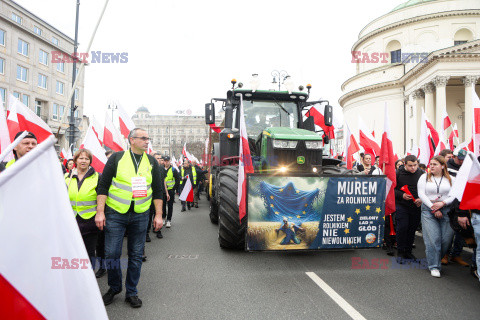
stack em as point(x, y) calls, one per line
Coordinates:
point(169, 224)
point(435, 273)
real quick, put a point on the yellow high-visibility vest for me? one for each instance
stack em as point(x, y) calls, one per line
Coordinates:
point(83, 201)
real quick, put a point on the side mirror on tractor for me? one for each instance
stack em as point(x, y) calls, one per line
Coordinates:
point(209, 113)
point(328, 115)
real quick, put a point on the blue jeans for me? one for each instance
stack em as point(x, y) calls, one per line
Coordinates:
point(476, 230)
point(437, 235)
point(115, 226)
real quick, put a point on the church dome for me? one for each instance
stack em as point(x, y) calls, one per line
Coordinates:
point(143, 109)
point(410, 3)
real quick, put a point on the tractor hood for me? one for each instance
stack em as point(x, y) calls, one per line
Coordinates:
point(283, 133)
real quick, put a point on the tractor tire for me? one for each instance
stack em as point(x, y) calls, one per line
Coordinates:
point(334, 170)
point(231, 232)
point(213, 211)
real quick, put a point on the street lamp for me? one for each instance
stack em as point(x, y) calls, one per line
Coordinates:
point(281, 76)
point(112, 107)
point(71, 139)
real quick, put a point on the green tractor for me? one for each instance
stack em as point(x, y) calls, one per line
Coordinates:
point(281, 143)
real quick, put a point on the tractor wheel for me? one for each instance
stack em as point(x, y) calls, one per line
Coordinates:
point(334, 170)
point(213, 211)
point(231, 232)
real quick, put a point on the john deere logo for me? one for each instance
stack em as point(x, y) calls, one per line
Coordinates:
point(300, 160)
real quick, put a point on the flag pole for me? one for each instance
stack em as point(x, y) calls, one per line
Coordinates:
point(12, 145)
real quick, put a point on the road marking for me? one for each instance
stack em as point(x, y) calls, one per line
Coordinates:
point(354, 314)
point(182, 257)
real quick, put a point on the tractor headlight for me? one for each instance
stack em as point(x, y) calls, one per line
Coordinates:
point(313, 144)
point(285, 144)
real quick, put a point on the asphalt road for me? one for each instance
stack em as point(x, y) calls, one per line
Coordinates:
point(188, 276)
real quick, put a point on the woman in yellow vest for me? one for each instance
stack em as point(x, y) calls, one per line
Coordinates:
point(82, 184)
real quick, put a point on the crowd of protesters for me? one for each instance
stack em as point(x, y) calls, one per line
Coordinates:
point(134, 194)
point(423, 204)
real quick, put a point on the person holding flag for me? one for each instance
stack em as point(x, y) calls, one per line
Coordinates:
point(187, 172)
point(26, 145)
point(82, 184)
point(408, 212)
point(171, 184)
point(130, 180)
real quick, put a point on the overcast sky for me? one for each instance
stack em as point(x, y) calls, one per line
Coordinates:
point(182, 53)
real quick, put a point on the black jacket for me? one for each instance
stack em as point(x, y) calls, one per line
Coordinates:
point(452, 167)
point(405, 177)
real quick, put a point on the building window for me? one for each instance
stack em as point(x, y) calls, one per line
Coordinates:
point(2, 37)
point(26, 100)
point(22, 47)
point(16, 18)
point(459, 42)
point(43, 57)
point(166, 140)
point(37, 30)
point(55, 41)
point(2, 66)
point(38, 108)
point(3, 94)
point(16, 95)
point(61, 67)
point(55, 112)
point(22, 73)
point(42, 81)
point(396, 56)
point(60, 87)
point(76, 94)
point(462, 36)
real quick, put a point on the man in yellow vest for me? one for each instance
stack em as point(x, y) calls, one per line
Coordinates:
point(130, 180)
point(171, 184)
point(26, 145)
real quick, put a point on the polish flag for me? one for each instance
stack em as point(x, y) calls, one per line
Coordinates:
point(446, 119)
point(21, 118)
point(63, 153)
point(150, 147)
point(442, 144)
point(215, 128)
point(245, 165)
point(466, 187)
point(316, 112)
point(125, 122)
point(351, 147)
point(111, 137)
point(187, 192)
point(5, 140)
point(187, 154)
point(476, 125)
point(433, 132)
point(91, 143)
point(453, 135)
point(425, 144)
point(45, 271)
point(174, 163)
point(367, 141)
point(98, 129)
point(387, 163)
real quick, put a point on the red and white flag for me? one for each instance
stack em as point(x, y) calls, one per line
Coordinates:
point(187, 192)
point(98, 129)
point(351, 147)
point(426, 152)
point(453, 136)
point(367, 141)
point(150, 148)
point(466, 187)
point(316, 112)
point(90, 142)
point(446, 119)
point(63, 153)
point(21, 118)
point(387, 164)
point(5, 139)
point(432, 132)
point(245, 165)
point(45, 271)
point(111, 137)
point(476, 125)
point(187, 154)
point(125, 122)
point(215, 128)
point(442, 144)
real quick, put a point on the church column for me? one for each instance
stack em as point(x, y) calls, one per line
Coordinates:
point(440, 83)
point(469, 83)
point(429, 103)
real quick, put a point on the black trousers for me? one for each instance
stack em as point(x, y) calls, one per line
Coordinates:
point(90, 241)
point(407, 219)
point(169, 205)
point(150, 217)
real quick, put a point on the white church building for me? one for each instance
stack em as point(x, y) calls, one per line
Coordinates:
point(423, 55)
